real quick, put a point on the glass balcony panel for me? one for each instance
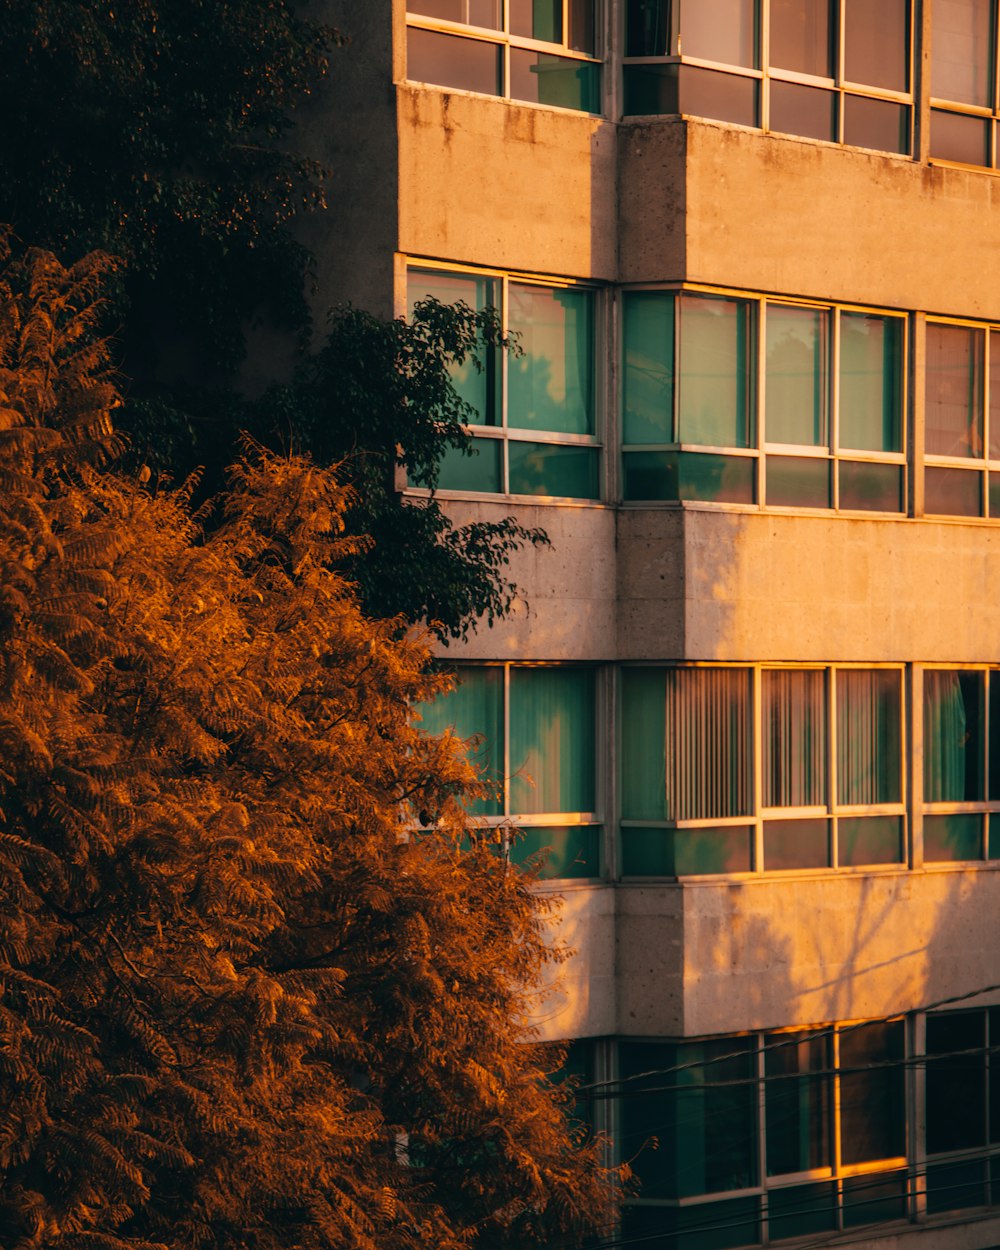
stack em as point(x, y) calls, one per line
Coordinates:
point(797, 482)
point(480, 471)
point(953, 492)
point(807, 111)
point(792, 844)
point(869, 487)
point(957, 137)
point(877, 124)
point(955, 836)
point(723, 97)
point(557, 469)
point(451, 61)
point(863, 841)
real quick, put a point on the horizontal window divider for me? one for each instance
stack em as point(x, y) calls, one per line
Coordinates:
point(795, 813)
point(699, 1200)
point(880, 809)
point(783, 1180)
point(751, 453)
point(877, 93)
point(956, 462)
point(431, 264)
point(869, 457)
point(554, 820)
point(805, 80)
point(799, 449)
point(518, 434)
point(969, 110)
point(974, 807)
point(898, 1162)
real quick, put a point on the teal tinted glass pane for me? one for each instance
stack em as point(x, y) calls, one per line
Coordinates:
point(807, 111)
point(560, 81)
point(647, 28)
point(796, 844)
point(553, 469)
point(724, 97)
point(994, 835)
point(798, 481)
point(954, 395)
point(649, 852)
point(954, 742)
point(552, 740)
point(878, 124)
point(451, 61)
point(874, 1198)
point(866, 486)
point(868, 736)
point(472, 12)
point(551, 385)
point(952, 1186)
point(570, 852)
point(872, 1105)
point(958, 137)
point(705, 1226)
point(798, 1102)
point(714, 371)
point(961, 51)
point(719, 30)
point(796, 375)
point(870, 393)
point(648, 374)
point(536, 19)
point(994, 402)
point(866, 840)
point(802, 37)
point(643, 744)
point(801, 1209)
point(953, 492)
point(475, 381)
point(994, 720)
point(680, 476)
point(955, 836)
point(650, 90)
point(480, 471)
point(474, 708)
point(877, 43)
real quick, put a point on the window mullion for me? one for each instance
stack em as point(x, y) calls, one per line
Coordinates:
point(758, 772)
point(506, 740)
point(834, 402)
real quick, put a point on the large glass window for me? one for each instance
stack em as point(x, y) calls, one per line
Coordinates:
point(533, 406)
point(541, 51)
point(832, 432)
point(688, 757)
point(531, 730)
point(961, 764)
point(962, 418)
point(964, 107)
point(767, 1137)
point(838, 70)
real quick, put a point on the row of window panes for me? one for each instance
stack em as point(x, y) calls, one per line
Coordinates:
point(539, 51)
point(807, 1130)
point(837, 70)
point(732, 769)
point(964, 81)
point(533, 407)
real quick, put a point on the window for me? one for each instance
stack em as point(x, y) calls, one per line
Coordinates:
point(963, 1109)
point(765, 1138)
point(829, 744)
point(534, 733)
point(964, 103)
point(962, 419)
point(541, 51)
point(837, 70)
point(534, 423)
point(827, 412)
point(961, 764)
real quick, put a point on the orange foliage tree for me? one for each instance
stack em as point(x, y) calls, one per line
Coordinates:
point(243, 1002)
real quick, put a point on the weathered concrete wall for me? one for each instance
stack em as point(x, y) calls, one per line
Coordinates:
point(568, 612)
point(580, 997)
point(723, 957)
point(714, 585)
point(488, 182)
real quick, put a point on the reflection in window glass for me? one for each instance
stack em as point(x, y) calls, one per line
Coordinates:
point(551, 740)
point(551, 384)
point(953, 492)
point(796, 375)
point(798, 1101)
point(869, 746)
point(876, 43)
point(471, 12)
point(877, 124)
point(872, 1105)
point(648, 382)
point(714, 371)
point(807, 111)
point(474, 709)
point(802, 36)
point(477, 386)
point(994, 398)
point(710, 93)
point(870, 398)
point(961, 51)
point(719, 30)
point(954, 746)
point(954, 396)
point(542, 78)
point(536, 19)
point(955, 137)
point(450, 61)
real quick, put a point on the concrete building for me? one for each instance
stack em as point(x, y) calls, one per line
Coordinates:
point(751, 699)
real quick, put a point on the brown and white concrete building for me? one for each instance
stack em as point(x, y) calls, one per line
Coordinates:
point(751, 699)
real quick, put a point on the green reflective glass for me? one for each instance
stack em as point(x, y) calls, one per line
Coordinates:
point(863, 841)
point(480, 471)
point(649, 852)
point(568, 852)
point(994, 835)
point(870, 389)
point(648, 375)
point(475, 381)
point(551, 384)
point(551, 740)
point(557, 469)
point(714, 371)
point(560, 81)
point(474, 709)
point(796, 375)
point(798, 481)
point(650, 90)
point(954, 741)
point(866, 486)
point(536, 19)
point(869, 741)
point(951, 837)
point(955, 1086)
point(691, 475)
point(643, 744)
